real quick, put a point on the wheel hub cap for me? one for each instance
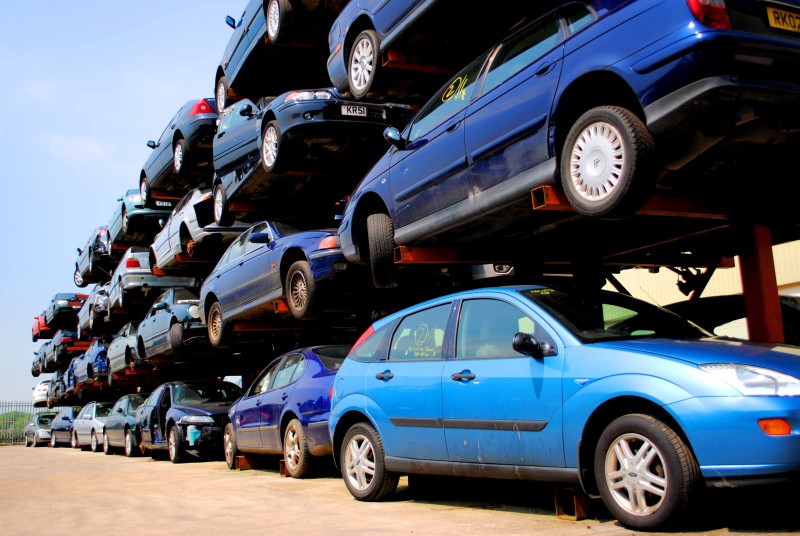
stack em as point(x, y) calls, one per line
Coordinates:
point(218, 204)
point(636, 475)
point(270, 146)
point(292, 450)
point(299, 291)
point(274, 18)
point(361, 69)
point(597, 161)
point(360, 462)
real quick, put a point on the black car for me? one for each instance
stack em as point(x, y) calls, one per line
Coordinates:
point(181, 158)
point(61, 427)
point(62, 311)
point(120, 424)
point(302, 150)
point(94, 259)
point(185, 415)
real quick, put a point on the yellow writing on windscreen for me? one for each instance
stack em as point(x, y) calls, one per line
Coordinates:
point(456, 90)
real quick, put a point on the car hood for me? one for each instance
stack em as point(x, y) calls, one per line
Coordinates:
point(781, 357)
point(207, 408)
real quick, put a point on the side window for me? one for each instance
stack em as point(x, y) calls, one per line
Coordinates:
point(486, 328)
point(287, 370)
point(260, 228)
point(522, 49)
point(262, 384)
point(420, 335)
point(577, 17)
point(236, 249)
point(120, 404)
point(451, 99)
point(367, 350)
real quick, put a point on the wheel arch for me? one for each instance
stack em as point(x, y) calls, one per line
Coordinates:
point(176, 137)
point(370, 203)
point(211, 298)
point(361, 23)
point(290, 256)
point(342, 426)
point(285, 420)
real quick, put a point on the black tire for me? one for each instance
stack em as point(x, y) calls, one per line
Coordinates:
point(29, 443)
point(175, 444)
point(89, 374)
point(216, 326)
point(121, 301)
point(672, 470)
point(180, 154)
point(53, 441)
point(363, 63)
point(271, 147)
point(363, 440)
point(125, 222)
point(380, 234)
point(221, 93)
point(91, 319)
point(608, 163)
point(176, 339)
point(300, 290)
point(94, 444)
point(73, 441)
point(131, 448)
point(107, 449)
point(222, 216)
point(295, 450)
point(77, 278)
point(140, 349)
point(110, 378)
point(128, 357)
point(282, 11)
point(229, 446)
point(144, 192)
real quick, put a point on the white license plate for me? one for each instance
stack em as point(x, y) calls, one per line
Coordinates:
point(163, 203)
point(359, 111)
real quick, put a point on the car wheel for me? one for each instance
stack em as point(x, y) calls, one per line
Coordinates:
point(301, 291)
point(380, 234)
point(278, 14)
point(91, 321)
point(27, 443)
point(646, 474)
point(130, 444)
point(363, 469)
point(94, 445)
point(608, 163)
point(216, 326)
point(365, 58)
point(222, 216)
point(270, 146)
point(174, 442)
point(128, 357)
point(78, 279)
point(229, 445)
point(107, 450)
point(125, 222)
point(176, 338)
point(73, 441)
point(108, 372)
point(222, 93)
point(295, 450)
point(179, 154)
point(53, 442)
point(144, 193)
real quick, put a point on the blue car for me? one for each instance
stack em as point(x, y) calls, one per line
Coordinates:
point(286, 409)
point(584, 95)
point(584, 387)
point(120, 424)
point(270, 268)
point(133, 224)
point(61, 427)
point(93, 364)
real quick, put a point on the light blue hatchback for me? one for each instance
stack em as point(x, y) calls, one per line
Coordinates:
point(587, 387)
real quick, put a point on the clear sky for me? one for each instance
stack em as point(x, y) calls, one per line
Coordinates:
point(83, 85)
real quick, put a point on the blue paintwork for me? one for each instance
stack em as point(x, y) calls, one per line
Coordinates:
point(61, 427)
point(122, 418)
point(260, 417)
point(92, 364)
point(650, 360)
point(497, 139)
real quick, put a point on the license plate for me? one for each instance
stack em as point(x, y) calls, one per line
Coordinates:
point(783, 20)
point(361, 111)
point(163, 203)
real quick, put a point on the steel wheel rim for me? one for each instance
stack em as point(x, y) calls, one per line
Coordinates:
point(74, 440)
point(298, 290)
point(597, 162)
point(362, 64)
point(269, 148)
point(143, 192)
point(221, 96)
point(274, 18)
point(106, 445)
point(636, 475)
point(359, 462)
point(77, 278)
point(178, 158)
point(228, 447)
point(218, 204)
point(173, 447)
point(215, 324)
point(292, 450)
point(128, 444)
point(125, 222)
point(94, 442)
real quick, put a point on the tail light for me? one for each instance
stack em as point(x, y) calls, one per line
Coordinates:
point(65, 340)
point(201, 107)
point(329, 242)
point(132, 262)
point(713, 13)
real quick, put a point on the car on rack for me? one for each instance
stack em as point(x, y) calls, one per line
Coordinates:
point(462, 171)
point(286, 410)
point(120, 425)
point(63, 308)
point(39, 362)
point(185, 415)
point(171, 325)
point(64, 345)
point(57, 388)
point(133, 224)
point(564, 384)
point(93, 312)
point(94, 259)
point(92, 365)
point(184, 240)
point(40, 329)
point(40, 394)
point(302, 150)
point(87, 430)
point(122, 350)
point(70, 385)
point(133, 281)
point(181, 158)
point(61, 427)
point(268, 265)
point(37, 431)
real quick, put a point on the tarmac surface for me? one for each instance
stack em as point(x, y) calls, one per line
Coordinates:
point(65, 491)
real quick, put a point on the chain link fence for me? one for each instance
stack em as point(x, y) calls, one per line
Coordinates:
point(14, 416)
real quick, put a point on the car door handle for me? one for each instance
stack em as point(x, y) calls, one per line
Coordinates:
point(451, 127)
point(258, 403)
point(385, 375)
point(284, 396)
point(463, 375)
point(545, 68)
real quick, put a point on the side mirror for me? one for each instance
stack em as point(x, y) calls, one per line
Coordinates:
point(119, 410)
point(152, 144)
point(260, 238)
point(392, 135)
point(230, 21)
point(246, 111)
point(161, 223)
point(65, 418)
point(119, 200)
point(80, 251)
point(527, 345)
point(160, 306)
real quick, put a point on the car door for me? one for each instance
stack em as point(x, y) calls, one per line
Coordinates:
point(115, 421)
point(405, 390)
point(243, 34)
point(146, 416)
point(153, 329)
point(225, 278)
point(83, 424)
point(429, 172)
point(501, 407)
point(247, 420)
point(254, 268)
point(235, 143)
point(275, 399)
point(163, 162)
point(507, 124)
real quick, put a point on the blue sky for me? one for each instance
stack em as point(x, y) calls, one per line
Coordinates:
point(83, 85)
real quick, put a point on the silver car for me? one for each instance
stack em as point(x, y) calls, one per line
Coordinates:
point(183, 238)
point(94, 309)
point(87, 430)
point(122, 350)
point(133, 280)
point(37, 431)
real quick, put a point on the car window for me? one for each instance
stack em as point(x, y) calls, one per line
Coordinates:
point(237, 248)
point(486, 328)
point(453, 98)
point(262, 384)
point(420, 335)
point(230, 116)
point(522, 49)
point(85, 412)
point(577, 17)
point(102, 411)
point(44, 420)
point(260, 228)
point(286, 373)
point(119, 407)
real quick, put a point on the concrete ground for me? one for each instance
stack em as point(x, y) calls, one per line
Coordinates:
point(64, 491)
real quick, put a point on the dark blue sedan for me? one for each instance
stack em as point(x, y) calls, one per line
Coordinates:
point(271, 268)
point(583, 95)
point(133, 224)
point(286, 410)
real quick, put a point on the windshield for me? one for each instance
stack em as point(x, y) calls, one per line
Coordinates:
point(595, 316)
point(202, 392)
point(44, 420)
point(102, 411)
point(183, 295)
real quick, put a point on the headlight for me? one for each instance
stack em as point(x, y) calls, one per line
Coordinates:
point(196, 419)
point(308, 95)
point(136, 199)
point(194, 311)
point(62, 303)
point(755, 381)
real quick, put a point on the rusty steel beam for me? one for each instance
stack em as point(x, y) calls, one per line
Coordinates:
point(760, 286)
